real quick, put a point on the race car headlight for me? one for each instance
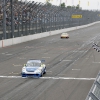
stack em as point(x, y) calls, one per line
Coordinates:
point(38, 71)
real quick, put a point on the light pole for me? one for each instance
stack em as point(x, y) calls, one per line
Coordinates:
point(60, 2)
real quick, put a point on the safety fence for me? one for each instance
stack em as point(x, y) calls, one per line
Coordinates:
point(18, 18)
point(94, 93)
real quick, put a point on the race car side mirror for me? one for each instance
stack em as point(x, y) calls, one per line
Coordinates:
point(24, 64)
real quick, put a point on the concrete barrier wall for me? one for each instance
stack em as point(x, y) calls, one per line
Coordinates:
point(13, 41)
point(45, 34)
point(16, 40)
point(0, 44)
point(7, 42)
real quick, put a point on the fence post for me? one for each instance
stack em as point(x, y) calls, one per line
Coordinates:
point(12, 19)
point(4, 20)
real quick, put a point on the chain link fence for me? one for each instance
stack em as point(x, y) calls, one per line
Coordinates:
point(19, 18)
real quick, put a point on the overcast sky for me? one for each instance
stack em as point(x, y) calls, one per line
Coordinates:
point(85, 4)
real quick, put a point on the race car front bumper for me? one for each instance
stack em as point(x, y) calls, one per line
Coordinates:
point(31, 75)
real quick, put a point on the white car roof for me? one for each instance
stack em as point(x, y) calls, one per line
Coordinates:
point(37, 61)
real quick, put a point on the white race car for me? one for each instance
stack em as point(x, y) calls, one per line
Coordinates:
point(64, 35)
point(34, 68)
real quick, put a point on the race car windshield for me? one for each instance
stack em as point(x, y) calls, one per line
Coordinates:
point(34, 64)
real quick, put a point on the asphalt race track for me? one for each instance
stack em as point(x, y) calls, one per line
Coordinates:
point(72, 66)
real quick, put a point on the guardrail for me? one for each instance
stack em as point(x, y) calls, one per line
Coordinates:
point(94, 93)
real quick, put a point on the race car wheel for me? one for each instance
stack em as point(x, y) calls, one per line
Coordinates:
point(23, 75)
point(44, 71)
point(41, 74)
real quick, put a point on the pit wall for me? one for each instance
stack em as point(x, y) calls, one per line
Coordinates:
point(13, 41)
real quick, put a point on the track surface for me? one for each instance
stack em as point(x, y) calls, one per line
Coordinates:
point(72, 66)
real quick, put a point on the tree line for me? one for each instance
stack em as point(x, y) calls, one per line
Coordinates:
point(63, 5)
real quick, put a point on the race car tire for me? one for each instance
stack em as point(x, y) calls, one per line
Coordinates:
point(44, 71)
point(23, 75)
point(41, 74)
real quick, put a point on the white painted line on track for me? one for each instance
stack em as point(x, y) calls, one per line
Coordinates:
point(3, 53)
point(13, 73)
point(10, 77)
point(96, 62)
point(79, 51)
point(63, 78)
point(61, 74)
point(16, 65)
point(6, 53)
point(66, 60)
point(68, 78)
point(9, 54)
point(75, 69)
